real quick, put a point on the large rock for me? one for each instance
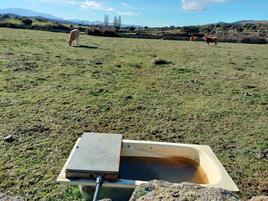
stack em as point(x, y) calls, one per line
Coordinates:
point(161, 190)
point(262, 155)
point(9, 138)
point(157, 61)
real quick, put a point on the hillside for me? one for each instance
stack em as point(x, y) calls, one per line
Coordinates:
point(243, 22)
point(20, 12)
point(256, 32)
point(28, 13)
point(242, 31)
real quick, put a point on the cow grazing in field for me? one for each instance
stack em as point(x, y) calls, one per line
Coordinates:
point(213, 39)
point(193, 38)
point(74, 37)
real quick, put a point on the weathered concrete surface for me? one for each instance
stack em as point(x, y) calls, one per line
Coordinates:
point(165, 191)
point(259, 198)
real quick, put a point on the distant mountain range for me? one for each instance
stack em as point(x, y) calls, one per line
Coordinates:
point(243, 22)
point(31, 13)
point(28, 13)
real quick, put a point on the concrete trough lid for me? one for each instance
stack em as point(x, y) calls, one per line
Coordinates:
point(94, 155)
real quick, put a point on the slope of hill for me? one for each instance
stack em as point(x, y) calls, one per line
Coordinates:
point(28, 13)
point(243, 22)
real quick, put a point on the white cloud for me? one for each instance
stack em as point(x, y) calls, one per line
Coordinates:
point(196, 5)
point(128, 13)
point(125, 4)
point(63, 1)
point(217, 1)
point(69, 1)
point(192, 5)
point(94, 5)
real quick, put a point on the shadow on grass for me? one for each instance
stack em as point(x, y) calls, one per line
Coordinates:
point(87, 46)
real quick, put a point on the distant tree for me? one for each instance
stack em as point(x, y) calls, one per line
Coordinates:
point(4, 16)
point(206, 29)
point(117, 22)
point(239, 28)
point(27, 21)
point(132, 28)
point(191, 29)
point(226, 26)
point(106, 20)
point(253, 27)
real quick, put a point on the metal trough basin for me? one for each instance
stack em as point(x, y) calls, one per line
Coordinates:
point(142, 161)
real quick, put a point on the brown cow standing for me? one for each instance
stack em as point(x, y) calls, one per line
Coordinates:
point(213, 39)
point(74, 37)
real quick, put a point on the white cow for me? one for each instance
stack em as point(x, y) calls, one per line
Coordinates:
point(74, 37)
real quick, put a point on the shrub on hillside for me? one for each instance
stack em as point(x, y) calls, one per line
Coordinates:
point(27, 21)
point(101, 32)
point(93, 31)
point(49, 27)
point(190, 29)
point(82, 29)
point(40, 19)
point(131, 28)
point(3, 24)
point(230, 38)
point(254, 40)
point(109, 33)
point(58, 27)
point(11, 25)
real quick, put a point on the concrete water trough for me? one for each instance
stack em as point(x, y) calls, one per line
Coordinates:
point(142, 161)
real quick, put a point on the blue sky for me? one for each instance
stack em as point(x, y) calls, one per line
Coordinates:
point(149, 12)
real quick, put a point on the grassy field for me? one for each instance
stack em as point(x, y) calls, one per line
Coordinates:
point(50, 94)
